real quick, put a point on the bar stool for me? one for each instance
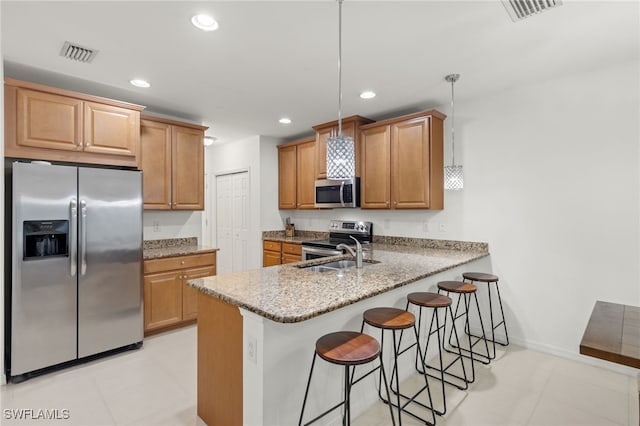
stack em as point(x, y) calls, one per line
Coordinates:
point(349, 349)
point(464, 292)
point(437, 302)
point(394, 319)
point(489, 279)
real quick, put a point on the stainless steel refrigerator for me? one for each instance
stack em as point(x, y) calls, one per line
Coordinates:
point(75, 285)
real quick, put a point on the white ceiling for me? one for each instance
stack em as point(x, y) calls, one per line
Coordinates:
point(273, 59)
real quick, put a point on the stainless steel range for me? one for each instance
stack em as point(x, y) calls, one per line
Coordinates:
point(340, 232)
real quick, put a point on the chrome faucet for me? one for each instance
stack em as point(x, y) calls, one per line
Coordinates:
point(357, 253)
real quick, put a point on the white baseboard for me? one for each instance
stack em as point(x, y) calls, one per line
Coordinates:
point(564, 353)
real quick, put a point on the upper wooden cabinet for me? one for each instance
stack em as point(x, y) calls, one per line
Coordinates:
point(402, 162)
point(173, 164)
point(287, 180)
point(296, 174)
point(350, 127)
point(110, 129)
point(46, 123)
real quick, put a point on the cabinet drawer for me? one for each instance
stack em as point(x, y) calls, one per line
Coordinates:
point(272, 245)
point(291, 248)
point(179, 262)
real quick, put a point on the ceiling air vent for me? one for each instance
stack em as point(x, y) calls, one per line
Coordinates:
point(77, 53)
point(520, 9)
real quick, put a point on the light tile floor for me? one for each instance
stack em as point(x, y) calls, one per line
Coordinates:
point(156, 385)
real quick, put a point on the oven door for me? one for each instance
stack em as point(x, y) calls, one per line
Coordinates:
point(309, 253)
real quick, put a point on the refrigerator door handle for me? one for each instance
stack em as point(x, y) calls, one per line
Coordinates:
point(83, 237)
point(73, 212)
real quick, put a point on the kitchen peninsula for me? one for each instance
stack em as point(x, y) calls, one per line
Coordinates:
point(257, 329)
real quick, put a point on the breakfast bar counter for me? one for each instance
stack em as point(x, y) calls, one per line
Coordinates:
point(257, 329)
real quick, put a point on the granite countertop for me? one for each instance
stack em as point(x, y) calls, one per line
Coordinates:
point(298, 238)
point(286, 293)
point(157, 249)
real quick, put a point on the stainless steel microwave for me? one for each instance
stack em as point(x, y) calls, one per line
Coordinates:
point(331, 193)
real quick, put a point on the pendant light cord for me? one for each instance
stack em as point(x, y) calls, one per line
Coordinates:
point(453, 127)
point(339, 67)
point(452, 78)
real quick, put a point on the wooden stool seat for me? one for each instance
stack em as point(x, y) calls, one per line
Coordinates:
point(389, 318)
point(429, 300)
point(457, 287)
point(347, 348)
point(481, 277)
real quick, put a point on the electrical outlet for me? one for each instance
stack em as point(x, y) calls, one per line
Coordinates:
point(156, 226)
point(443, 227)
point(425, 227)
point(252, 349)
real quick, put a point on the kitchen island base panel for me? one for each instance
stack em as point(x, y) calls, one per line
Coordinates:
point(219, 362)
point(275, 358)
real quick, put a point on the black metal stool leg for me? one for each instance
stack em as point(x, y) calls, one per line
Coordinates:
point(493, 328)
point(503, 323)
point(460, 355)
point(386, 385)
point(395, 370)
point(306, 392)
point(346, 416)
point(484, 336)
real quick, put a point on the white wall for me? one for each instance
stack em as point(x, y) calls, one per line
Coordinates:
point(552, 183)
point(159, 225)
point(269, 215)
point(247, 155)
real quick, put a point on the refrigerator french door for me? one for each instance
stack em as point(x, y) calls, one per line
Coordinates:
point(76, 263)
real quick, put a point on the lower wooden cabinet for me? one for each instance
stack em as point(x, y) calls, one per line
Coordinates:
point(291, 252)
point(278, 253)
point(168, 300)
point(272, 253)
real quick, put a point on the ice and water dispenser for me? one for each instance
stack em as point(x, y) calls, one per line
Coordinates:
point(45, 238)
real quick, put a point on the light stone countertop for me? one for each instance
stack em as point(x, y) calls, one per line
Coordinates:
point(286, 293)
point(157, 249)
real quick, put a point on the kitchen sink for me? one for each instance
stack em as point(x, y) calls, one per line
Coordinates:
point(336, 265)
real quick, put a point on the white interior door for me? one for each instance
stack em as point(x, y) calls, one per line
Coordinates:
point(232, 221)
point(240, 220)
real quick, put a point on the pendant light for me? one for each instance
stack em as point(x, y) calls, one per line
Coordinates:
point(340, 148)
point(453, 175)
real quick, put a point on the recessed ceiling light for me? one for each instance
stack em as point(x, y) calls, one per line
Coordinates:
point(367, 94)
point(284, 120)
point(209, 140)
point(140, 83)
point(204, 22)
